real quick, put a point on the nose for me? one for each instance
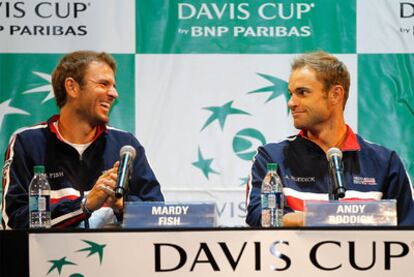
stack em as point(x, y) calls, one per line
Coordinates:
point(292, 102)
point(113, 92)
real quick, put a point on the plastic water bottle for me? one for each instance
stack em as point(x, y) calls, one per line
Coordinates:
point(272, 198)
point(39, 199)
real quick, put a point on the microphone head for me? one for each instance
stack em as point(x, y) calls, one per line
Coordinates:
point(333, 152)
point(128, 149)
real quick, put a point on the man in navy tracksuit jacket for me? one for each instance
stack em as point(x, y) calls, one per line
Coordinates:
point(79, 151)
point(319, 86)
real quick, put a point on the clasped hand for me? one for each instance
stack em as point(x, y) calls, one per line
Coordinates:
point(103, 192)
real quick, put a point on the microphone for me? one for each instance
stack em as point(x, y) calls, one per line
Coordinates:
point(127, 155)
point(336, 169)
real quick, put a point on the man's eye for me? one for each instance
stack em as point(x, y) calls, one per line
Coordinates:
point(301, 91)
point(103, 84)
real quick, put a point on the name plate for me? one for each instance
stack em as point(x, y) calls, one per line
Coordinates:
point(159, 214)
point(350, 213)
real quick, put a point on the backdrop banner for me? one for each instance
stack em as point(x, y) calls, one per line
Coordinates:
point(203, 83)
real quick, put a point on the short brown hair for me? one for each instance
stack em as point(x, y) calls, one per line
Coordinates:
point(74, 65)
point(329, 70)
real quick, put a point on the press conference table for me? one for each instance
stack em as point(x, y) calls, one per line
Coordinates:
point(370, 251)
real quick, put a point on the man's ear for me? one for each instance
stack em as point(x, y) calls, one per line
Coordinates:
point(72, 87)
point(336, 95)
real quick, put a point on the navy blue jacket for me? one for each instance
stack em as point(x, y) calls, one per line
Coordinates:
point(371, 172)
point(70, 175)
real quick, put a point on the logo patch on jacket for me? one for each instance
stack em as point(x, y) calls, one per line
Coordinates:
point(53, 175)
point(364, 180)
point(300, 179)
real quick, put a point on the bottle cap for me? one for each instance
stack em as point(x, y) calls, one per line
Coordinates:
point(272, 166)
point(39, 169)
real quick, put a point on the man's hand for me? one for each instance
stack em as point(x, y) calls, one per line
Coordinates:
point(117, 204)
point(104, 191)
point(293, 219)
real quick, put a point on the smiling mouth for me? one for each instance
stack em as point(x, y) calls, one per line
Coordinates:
point(294, 114)
point(106, 105)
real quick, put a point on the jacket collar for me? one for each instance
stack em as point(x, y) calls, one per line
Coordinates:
point(51, 123)
point(350, 143)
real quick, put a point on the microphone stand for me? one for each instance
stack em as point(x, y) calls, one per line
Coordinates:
point(338, 191)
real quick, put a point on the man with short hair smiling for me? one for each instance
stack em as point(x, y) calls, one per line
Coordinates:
point(79, 151)
point(319, 87)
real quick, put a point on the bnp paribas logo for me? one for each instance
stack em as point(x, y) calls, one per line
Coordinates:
point(245, 141)
point(19, 104)
point(47, 78)
point(91, 255)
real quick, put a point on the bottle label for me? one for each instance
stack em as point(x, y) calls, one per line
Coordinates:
point(39, 203)
point(33, 206)
point(271, 200)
